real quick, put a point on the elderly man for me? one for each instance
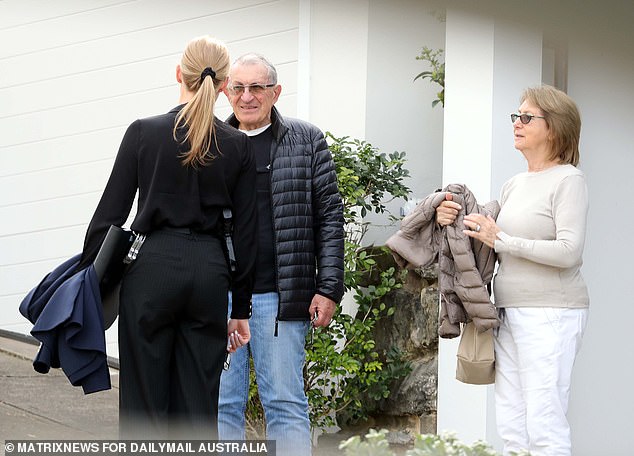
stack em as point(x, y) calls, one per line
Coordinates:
point(299, 265)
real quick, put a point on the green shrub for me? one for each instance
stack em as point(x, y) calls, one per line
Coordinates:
point(345, 375)
point(446, 444)
point(437, 73)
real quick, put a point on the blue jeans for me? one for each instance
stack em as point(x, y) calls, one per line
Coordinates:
point(279, 363)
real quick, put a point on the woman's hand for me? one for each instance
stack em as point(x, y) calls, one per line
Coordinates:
point(483, 228)
point(238, 334)
point(447, 211)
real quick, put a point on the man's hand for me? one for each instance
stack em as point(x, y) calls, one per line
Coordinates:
point(324, 307)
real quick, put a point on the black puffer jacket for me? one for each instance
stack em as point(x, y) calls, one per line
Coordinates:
point(307, 216)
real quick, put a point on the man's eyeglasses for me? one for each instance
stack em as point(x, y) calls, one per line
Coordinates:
point(254, 89)
point(524, 118)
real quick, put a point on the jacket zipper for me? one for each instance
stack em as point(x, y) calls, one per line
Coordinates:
point(277, 283)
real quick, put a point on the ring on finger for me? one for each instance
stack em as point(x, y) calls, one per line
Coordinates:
point(477, 228)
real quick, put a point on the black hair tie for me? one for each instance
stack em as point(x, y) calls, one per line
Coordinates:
point(207, 72)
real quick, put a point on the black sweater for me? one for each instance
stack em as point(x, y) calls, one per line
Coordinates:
point(174, 195)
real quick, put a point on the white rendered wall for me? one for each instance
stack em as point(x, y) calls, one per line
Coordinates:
point(485, 77)
point(600, 80)
point(338, 65)
point(399, 115)
point(468, 125)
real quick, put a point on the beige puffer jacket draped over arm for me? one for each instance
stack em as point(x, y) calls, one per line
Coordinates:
point(466, 265)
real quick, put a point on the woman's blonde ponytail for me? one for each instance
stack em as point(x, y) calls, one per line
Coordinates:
point(204, 67)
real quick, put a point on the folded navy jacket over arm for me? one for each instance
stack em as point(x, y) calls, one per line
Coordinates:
point(66, 311)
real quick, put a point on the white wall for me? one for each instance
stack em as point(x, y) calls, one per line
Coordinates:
point(466, 159)
point(73, 75)
point(338, 59)
point(362, 66)
point(600, 80)
point(399, 116)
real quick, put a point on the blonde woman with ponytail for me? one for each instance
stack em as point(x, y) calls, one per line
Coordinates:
point(187, 167)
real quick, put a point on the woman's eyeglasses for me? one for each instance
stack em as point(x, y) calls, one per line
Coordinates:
point(524, 118)
point(254, 89)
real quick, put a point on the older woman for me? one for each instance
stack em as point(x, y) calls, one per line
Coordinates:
point(539, 291)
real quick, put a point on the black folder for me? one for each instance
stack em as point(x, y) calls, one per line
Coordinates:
point(109, 267)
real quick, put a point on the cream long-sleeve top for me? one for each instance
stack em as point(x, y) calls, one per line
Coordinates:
point(543, 222)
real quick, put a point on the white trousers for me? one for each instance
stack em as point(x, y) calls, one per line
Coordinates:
point(535, 350)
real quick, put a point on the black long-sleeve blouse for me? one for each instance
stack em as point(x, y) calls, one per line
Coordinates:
point(172, 194)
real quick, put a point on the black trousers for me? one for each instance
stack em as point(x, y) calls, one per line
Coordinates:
point(173, 337)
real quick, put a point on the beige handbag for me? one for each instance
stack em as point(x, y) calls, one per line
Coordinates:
point(476, 356)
